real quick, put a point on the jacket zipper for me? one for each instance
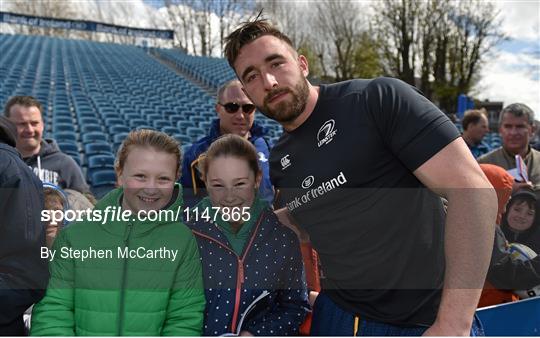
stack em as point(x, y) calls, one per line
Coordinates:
point(123, 285)
point(239, 271)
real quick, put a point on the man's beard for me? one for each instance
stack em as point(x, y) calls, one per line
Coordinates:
point(287, 111)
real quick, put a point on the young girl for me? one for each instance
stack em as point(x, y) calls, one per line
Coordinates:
point(114, 275)
point(246, 253)
point(520, 222)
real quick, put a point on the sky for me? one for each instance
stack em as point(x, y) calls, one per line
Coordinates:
point(512, 73)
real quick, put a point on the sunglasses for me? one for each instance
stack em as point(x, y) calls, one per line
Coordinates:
point(232, 107)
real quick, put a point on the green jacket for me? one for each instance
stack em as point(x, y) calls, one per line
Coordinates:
point(106, 293)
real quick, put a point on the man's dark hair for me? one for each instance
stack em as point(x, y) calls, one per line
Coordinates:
point(472, 116)
point(25, 101)
point(248, 32)
point(518, 110)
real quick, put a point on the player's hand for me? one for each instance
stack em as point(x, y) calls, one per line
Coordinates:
point(245, 334)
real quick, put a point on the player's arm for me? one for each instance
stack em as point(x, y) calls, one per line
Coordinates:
point(472, 207)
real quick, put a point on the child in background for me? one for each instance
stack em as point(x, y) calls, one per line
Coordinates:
point(505, 274)
point(54, 200)
point(520, 223)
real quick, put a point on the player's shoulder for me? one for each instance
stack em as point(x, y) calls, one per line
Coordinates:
point(359, 86)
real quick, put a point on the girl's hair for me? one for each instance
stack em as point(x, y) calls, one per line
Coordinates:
point(147, 138)
point(229, 145)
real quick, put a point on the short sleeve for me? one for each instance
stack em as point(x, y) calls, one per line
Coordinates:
point(413, 128)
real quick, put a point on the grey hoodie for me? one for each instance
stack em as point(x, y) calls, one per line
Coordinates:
point(53, 166)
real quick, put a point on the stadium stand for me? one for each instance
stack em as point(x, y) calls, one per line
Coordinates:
point(97, 92)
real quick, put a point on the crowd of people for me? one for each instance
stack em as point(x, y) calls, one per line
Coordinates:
point(369, 216)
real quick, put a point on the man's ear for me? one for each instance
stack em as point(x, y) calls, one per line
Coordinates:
point(533, 129)
point(303, 63)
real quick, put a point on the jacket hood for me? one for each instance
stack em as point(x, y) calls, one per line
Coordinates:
point(8, 131)
point(61, 192)
point(114, 225)
point(48, 149)
point(256, 130)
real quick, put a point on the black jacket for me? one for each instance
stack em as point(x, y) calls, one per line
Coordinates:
point(23, 274)
point(507, 274)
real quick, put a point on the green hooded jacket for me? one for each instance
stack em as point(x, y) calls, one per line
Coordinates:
point(129, 282)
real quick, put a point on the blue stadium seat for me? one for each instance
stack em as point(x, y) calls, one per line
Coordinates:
point(115, 129)
point(100, 161)
point(62, 119)
point(183, 139)
point(184, 125)
point(87, 120)
point(94, 137)
point(68, 147)
point(169, 130)
point(88, 128)
point(175, 118)
point(158, 124)
point(194, 132)
point(114, 121)
point(97, 148)
point(152, 117)
point(136, 122)
point(103, 177)
point(60, 127)
point(65, 136)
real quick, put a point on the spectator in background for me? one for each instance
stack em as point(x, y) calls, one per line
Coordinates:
point(520, 222)
point(23, 274)
point(354, 165)
point(475, 127)
point(505, 274)
point(42, 155)
point(55, 200)
point(516, 126)
point(236, 115)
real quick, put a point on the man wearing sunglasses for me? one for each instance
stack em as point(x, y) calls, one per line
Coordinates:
point(236, 115)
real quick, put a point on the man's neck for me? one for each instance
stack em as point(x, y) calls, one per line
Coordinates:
point(29, 153)
point(310, 106)
point(523, 153)
point(468, 140)
point(224, 132)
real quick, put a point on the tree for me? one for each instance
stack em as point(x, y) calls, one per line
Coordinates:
point(442, 43)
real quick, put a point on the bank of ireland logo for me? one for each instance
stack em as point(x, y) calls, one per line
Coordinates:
point(285, 162)
point(326, 133)
point(308, 182)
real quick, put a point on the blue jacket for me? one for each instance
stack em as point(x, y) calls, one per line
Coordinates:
point(23, 274)
point(191, 197)
point(271, 261)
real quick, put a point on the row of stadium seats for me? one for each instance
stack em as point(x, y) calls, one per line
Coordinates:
point(93, 94)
